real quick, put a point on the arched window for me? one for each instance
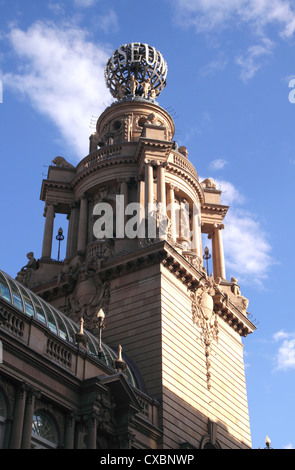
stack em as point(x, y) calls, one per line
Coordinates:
point(3, 417)
point(44, 432)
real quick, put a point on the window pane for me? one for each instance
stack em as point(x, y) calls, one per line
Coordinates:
point(43, 427)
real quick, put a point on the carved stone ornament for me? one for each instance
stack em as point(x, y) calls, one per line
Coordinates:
point(205, 318)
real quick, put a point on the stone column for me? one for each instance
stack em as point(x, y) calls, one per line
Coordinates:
point(18, 418)
point(149, 187)
point(171, 211)
point(218, 254)
point(82, 232)
point(28, 419)
point(196, 230)
point(92, 431)
point(141, 202)
point(161, 188)
point(70, 238)
point(70, 431)
point(161, 202)
point(124, 193)
point(48, 231)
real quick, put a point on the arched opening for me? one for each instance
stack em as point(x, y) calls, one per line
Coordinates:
point(44, 432)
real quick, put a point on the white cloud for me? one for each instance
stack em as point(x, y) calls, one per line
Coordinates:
point(257, 16)
point(109, 22)
point(62, 74)
point(285, 358)
point(246, 246)
point(206, 15)
point(252, 61)
point(85, 3)
point(218, 164)
point(230, 196)
point(216, 65)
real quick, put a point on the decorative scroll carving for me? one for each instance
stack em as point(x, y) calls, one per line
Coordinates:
point(205, 318)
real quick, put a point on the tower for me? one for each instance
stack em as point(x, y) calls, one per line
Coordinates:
point(137, 211)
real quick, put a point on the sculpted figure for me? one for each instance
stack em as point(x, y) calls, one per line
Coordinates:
point(121, 91)
point(235, 288)
point(146, 88)
point(24, 273)
point(133, 85)
point(236, 291)
point(61, 162)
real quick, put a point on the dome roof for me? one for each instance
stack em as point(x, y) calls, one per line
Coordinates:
point(58, 323)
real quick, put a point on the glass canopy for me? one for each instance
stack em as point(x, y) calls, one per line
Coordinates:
point(58, 323)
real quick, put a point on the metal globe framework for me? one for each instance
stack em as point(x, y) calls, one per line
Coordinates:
point(136, 69)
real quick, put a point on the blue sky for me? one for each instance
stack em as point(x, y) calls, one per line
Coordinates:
point(230, 65)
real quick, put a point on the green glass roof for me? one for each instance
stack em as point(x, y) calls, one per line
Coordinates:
point(57, 322)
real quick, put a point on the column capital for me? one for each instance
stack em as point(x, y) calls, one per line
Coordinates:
point(219, 226)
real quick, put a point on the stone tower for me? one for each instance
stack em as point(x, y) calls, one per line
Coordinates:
point(136, 212)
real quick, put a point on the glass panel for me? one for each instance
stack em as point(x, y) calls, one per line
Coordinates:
point(4, 289)
point(40, 314)
point(29, 309)
point(71, 330)
point(43, 427)
point(4, 292)
point(61, 327)
point(50, 319)
point(17, 300)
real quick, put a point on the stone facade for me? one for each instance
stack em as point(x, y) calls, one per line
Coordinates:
point(180, 326)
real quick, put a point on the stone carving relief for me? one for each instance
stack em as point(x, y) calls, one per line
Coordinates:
point(205, 318)
point(91, 293)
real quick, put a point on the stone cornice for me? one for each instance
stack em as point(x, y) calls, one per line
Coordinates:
point(50, 184)
point(214, 208)
point(183, 270)
point(111, 161)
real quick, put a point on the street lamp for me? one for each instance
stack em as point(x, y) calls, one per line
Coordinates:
point(100, 324)
point(267, 442)
point(60, 238)
point(206, 257)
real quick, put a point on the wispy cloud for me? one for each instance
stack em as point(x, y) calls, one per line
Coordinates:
point(285, 357)
point(214, 66)
point(218, 164)
point(108, 22)
point(61, 72)
point(85, 3)
point(256, 16)
point(254, 59)
point(210, 15)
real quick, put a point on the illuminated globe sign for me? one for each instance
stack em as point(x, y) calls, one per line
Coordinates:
point(136, 70)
